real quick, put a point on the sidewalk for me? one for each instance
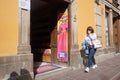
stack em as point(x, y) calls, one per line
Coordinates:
point(107, 70)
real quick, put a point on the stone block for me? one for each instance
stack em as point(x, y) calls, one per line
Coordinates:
point(9, 59)
point(13, 67)
point(99, 51)
point(26, 57)
point(104, 57)
point(2, 71)
point(17, 59)
point(10, 68)
point(2, 60)
point(75, 59)
point(18, 67)
point(98, 9)
point(99, 31)
point(98, 20)
point(28, 66)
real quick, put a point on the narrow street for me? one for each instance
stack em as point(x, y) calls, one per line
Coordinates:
point(107, 70)
point(54, 39)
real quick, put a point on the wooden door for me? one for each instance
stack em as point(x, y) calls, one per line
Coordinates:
point(116, 34)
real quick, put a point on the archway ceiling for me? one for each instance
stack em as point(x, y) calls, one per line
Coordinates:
point(37, 4)
point(54, 1)
point(44, 17)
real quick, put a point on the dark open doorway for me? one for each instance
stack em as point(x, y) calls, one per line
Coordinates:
point(44, 18)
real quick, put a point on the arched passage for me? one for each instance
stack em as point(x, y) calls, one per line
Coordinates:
point(44, 18)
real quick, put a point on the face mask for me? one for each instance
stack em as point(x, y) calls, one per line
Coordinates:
point(89, 32)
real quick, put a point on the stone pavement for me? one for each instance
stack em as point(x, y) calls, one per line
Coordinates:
point(107, 70)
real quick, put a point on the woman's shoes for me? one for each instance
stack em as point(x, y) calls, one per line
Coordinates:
point(87, 69)
point(94, 66)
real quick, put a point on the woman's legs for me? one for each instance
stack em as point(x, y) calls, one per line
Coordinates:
point(91, 57)
point(93, 60)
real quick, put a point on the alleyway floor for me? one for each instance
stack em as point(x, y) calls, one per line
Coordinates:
point(107, 70)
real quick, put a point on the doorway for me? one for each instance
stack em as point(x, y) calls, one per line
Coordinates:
point(116, 30)
point(43, 22)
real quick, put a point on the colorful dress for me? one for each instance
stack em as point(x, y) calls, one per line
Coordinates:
point(62, 53)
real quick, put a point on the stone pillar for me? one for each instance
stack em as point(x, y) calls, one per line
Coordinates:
point(73, 36)
point(24, 58)
point(119, 31)
point(119, 25)
point(98, 13)
point(24, 32)
point(111, 28)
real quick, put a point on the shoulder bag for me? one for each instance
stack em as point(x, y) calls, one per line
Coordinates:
point(96, 43)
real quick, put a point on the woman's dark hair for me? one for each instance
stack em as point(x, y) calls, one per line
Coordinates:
point(90, 29)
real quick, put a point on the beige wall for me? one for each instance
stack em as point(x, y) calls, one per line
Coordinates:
point(86, 17)
point(110, 1)
point(8, 27)
point(103, 25)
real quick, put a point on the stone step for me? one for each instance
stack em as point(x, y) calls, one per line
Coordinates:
point(44, 76)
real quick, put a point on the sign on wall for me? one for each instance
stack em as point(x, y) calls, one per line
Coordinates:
point(24, 4)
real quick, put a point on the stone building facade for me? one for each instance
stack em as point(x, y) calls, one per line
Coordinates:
point(103, 15)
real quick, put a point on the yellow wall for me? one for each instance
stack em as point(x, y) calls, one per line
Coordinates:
point(110, 1)
point(8, 27)
point(86, 17)
point(103, 25)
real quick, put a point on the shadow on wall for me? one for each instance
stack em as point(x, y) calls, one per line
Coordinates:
point(84, 57)
point(24, 75)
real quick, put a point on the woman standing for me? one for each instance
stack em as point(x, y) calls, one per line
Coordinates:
point(89, 37)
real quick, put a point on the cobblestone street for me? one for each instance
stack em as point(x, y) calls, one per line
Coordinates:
point(107, 70)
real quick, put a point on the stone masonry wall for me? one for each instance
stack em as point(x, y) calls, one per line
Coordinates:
point(17, 67)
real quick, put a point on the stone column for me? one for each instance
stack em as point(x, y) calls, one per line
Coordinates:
point(24, 32)
point(98, 13)
point(25, 58)
point(119, 31)
point(74, 50)
point(111, 28)
point(119, 25)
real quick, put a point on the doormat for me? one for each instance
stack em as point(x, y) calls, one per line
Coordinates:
point(45, 68)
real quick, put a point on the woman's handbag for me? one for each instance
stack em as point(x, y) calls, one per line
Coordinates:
point(97, 43)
